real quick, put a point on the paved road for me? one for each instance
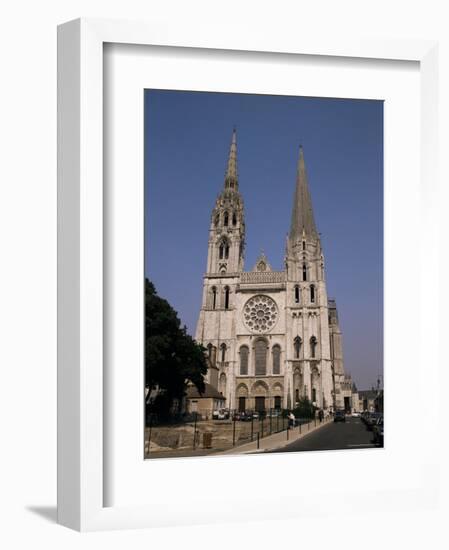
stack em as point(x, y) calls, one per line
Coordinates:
point(351, 434)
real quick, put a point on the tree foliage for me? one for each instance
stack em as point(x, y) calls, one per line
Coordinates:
point(172, 357)
point(304, 408)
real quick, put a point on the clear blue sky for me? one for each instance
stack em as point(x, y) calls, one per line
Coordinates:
point(187, 137)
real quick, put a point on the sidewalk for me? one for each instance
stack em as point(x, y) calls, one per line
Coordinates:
point(278, 440)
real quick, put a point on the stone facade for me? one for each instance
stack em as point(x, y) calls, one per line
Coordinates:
point(273, 335)
point(349, 395)
point(367, 400)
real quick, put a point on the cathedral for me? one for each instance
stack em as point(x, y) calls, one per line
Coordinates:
point(272, 336)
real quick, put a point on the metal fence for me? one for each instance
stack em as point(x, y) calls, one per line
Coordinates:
point(204, 430)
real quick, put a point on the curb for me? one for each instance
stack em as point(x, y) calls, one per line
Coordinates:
point(267, 445)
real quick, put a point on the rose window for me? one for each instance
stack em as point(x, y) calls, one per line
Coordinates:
point(260, 313)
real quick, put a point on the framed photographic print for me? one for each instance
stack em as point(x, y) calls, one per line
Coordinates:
point(236, 216)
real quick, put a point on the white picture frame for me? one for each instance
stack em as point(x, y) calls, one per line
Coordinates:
point(81, 398)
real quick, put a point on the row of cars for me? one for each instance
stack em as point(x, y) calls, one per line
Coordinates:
point(340, 415)
point(244, 416)
point(374, 422)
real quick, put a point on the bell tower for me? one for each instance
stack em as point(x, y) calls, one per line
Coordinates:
point(307, 302)
point(216, 324)
point(227, 226)
point(304, 258)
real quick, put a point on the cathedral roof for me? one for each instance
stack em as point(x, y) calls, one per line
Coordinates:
point(209, 391)
point(302, 222)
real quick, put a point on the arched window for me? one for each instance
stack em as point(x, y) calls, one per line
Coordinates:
point(297, 294)
point(217, 220)
point(223, 352)
point(276, 359)
point(313, 395)
point(226, 297)
point(303, 245)
point(244, 352)
point(222, 384)
point(313, 344)
point(224, 249)
point(214, 297)
point(312, 293)
point(297, 346)
point(304, 272)
point(260, 351)
point(226, 219)
point(212, 352)
point(234, 219)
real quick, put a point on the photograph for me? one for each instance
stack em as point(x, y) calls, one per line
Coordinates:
point(263, 274)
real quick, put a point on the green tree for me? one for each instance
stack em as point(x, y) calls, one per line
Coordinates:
point(304, 408)
point(172, 357)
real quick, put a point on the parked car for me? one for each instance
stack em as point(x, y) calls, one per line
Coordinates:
point(372, 419)
point(378, 432)
point(339, 416)
point(355, 414)
point(242, 416)
point(220, 414)
point(364, 416)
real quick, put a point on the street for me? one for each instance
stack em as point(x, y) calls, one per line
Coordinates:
point(351, 434)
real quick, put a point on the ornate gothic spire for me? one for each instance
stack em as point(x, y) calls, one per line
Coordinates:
point(231, 178)
point(303, 223)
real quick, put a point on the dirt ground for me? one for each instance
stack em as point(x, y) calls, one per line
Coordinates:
point(178, 440)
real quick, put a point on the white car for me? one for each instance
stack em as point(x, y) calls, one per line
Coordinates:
point(355, 414)
point(220, 414)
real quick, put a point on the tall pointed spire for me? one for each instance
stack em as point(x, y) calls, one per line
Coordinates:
point(231, 178)
point(303, 222)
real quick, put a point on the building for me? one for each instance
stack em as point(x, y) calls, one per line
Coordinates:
point(349, 394)
point(204, 403)
point(367, 400)
point(273, 335)
point(379, 401)
point(208, 401)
